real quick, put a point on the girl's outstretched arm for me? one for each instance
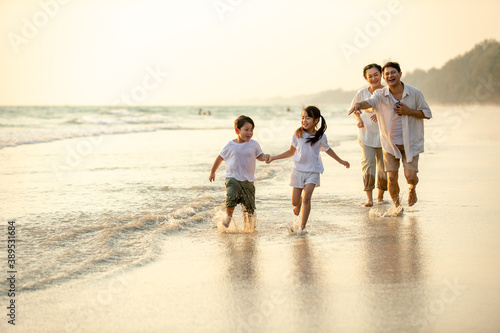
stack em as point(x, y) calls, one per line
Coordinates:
point(215, 166)
point(336, 158)
point(286, 154)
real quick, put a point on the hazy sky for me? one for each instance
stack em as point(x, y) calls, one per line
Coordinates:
point(154, 52)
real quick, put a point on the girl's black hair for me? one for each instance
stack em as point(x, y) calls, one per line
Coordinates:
point(315, 113)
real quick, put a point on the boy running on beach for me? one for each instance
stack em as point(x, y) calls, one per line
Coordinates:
point(240, 155)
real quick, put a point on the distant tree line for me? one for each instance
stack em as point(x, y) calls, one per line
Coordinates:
point(469, 78)
point(473, 77)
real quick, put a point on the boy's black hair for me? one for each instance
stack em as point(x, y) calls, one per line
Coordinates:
point(241, 120)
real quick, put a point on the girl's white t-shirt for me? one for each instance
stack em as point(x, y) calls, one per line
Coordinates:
point(370, 134)
point(307, 158)
point(240, 159)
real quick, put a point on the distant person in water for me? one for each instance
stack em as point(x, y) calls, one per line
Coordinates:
point(240, 155)
point(372, 158)
point(307, 143)
point(400, 110)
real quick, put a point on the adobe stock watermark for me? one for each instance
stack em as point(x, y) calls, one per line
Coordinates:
point(30, 27)
point(221, 7)
point(438, 305)
point(75, 153)
point(364, 36)
point(264, 310)
point(275, 126)
point(103, 298)
point(138, 93)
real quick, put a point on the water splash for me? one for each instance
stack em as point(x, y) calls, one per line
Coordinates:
point(243, 223)
point(294, 227)
point(391, 212)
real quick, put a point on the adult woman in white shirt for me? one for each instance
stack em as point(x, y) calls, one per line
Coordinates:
point(372, 160)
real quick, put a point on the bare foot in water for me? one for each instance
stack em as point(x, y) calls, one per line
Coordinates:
point(226, 221)
point(412, 196)
point(369, 203)
point(301, 230)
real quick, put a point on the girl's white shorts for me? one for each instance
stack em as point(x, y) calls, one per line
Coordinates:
point(299, 179)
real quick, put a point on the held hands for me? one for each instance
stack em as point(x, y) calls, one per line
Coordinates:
point(374, 118)
point(264, 158)
point(269, 159)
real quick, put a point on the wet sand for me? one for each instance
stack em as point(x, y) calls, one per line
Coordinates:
point(435, 269)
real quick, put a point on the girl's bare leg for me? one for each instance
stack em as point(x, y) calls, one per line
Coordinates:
point(306, 203)
point(296, 200)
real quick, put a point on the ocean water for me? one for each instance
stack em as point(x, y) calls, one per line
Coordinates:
point(95, 190)
point(116, 226)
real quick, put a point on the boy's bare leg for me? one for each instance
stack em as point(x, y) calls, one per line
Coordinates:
point(229, 216)
point(369, 196)
point(306, 204)
point(296, 200)
point(393, 186)
point(249, 222)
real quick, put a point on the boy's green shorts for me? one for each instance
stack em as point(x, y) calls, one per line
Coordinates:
point(240, 192)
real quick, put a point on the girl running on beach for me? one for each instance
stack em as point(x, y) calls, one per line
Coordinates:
point(307, 142)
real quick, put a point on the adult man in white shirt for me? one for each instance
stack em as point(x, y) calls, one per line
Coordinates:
point(400, 110)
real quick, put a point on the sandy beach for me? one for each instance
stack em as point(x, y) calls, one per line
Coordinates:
point(434, 269)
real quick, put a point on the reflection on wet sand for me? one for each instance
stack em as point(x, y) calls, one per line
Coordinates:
point(306, 272)
point(240, 252)
point(309, 291)
point(394, 269)
point(392, 251)
point(243, 294)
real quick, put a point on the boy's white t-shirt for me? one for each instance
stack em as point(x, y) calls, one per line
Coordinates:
point(240, 159)
point(307, 157)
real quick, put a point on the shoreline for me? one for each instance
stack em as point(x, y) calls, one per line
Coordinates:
point(432, 270)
